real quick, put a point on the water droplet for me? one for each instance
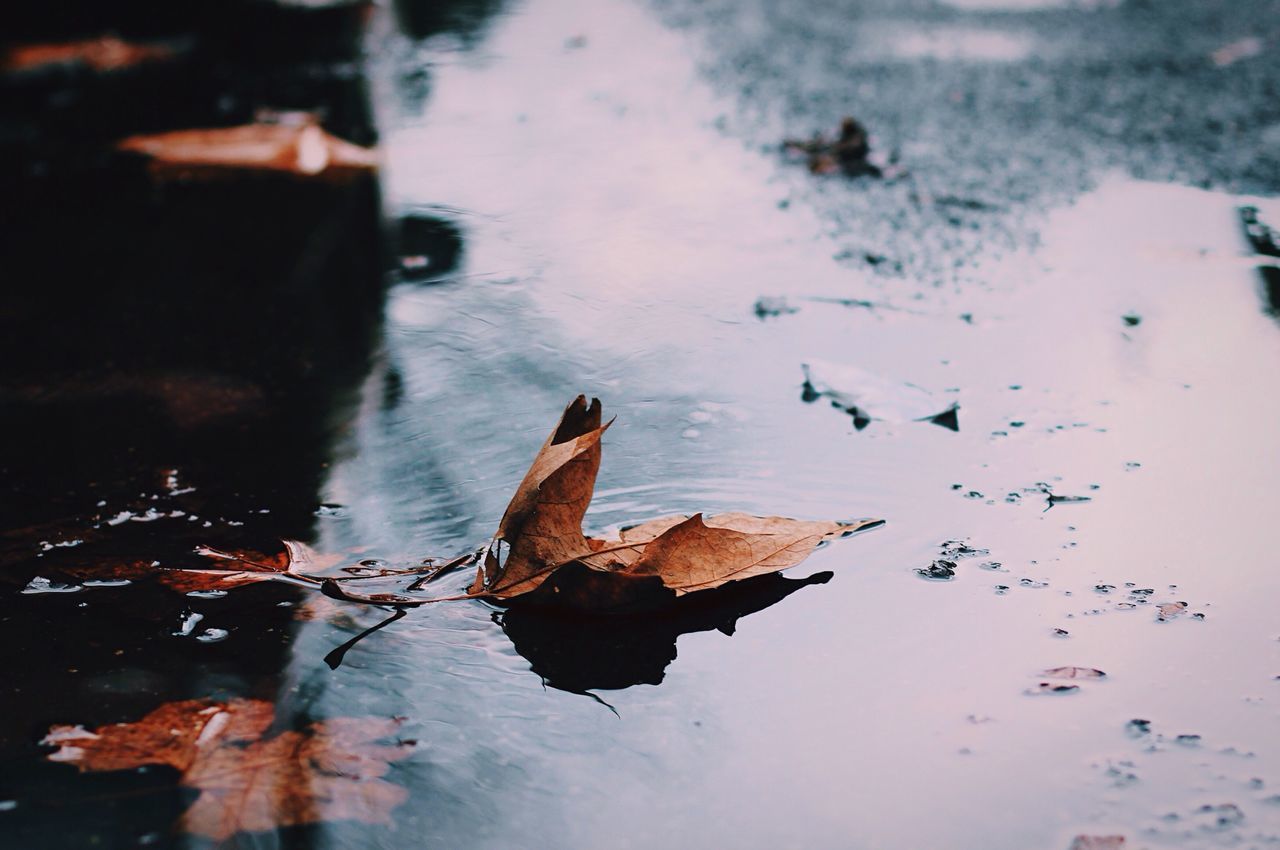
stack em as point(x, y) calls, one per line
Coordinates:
point(212, 635)
point(973, 494)
point(1002, 589)
point(330, 509)
point(1061, 633)
point(1131, 466)
point(106, 582)
point(40, 584)
point(1104, 588)
point(8, 805)
point(994, 566)
point(207, 594)
point(1188, 740)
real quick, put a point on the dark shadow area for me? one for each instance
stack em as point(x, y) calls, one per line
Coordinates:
point(178, 359)
point(582, 653)
point(427, 247)
point(465, 19)
point(1262, 238)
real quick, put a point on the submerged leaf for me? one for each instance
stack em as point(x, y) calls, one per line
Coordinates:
point(248, 782)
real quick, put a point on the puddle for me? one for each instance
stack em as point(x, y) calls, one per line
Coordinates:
point(572, 216)
point(641, 283)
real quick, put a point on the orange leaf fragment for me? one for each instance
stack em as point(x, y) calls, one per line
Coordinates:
point(302, 149)
point(104, 54)
point(248, 782)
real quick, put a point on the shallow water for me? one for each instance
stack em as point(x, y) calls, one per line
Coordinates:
point(614, 243)
point(1113, 454)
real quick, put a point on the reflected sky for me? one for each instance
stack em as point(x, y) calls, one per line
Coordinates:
point(615, 242)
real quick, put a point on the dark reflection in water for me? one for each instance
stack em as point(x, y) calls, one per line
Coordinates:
point(177, 363)
point(1263, 239)
point(579, 653)
point(466, 19)
point(428, 247)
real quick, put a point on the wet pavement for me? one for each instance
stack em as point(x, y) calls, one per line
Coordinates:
point(591, 198)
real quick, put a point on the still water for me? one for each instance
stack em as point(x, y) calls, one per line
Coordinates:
point(614, 243)
point(592, 226)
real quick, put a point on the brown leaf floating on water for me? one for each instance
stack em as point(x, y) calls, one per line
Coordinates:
point(104, 54)
point(301, 148)
point(540, 554)
point(543, 527)
point(248, 782)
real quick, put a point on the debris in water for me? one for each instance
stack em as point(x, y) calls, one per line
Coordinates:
point(1052, 688)
point(101, 55)
point(938, 571)
point(1170, 610)
point(773, 305)
point(867, 397)
point(956, 549)
point(1073, 673)
point(40, 584)
point(849, 153)
point(188, 624)
point(1137, 728)
point(289, 145)
point(1097, 842)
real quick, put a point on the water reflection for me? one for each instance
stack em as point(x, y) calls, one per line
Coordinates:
point(581, 653)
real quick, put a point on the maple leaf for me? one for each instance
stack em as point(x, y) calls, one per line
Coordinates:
point(248, 782)
point(300, 148)
point(670, 556)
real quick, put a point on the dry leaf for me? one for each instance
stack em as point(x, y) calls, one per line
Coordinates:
point(100, 54)
point(659, 559)
point(1073, 673)
point(248, 782)
point(543, 523)
point(548, 560)
point(299, 148)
